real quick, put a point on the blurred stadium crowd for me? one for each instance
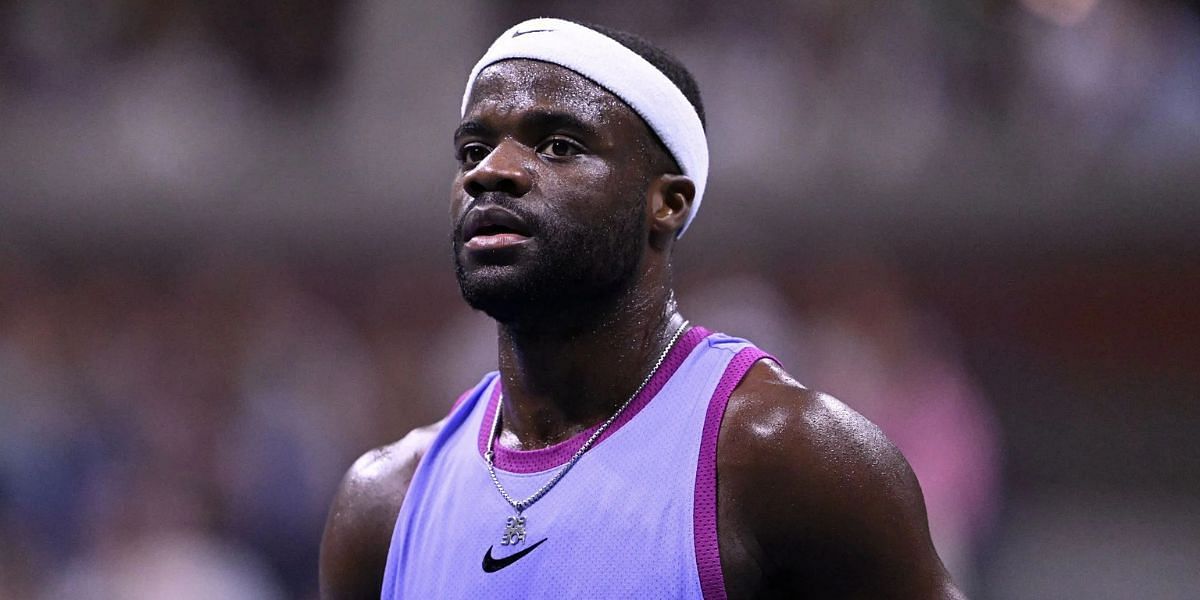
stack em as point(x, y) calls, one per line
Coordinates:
point(223, 268)
point(145, 413)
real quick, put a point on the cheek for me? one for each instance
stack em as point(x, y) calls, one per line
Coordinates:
point(602, 206)
point(584, 180)
point(581, 198)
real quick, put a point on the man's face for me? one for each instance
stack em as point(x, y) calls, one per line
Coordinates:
point(548, 205)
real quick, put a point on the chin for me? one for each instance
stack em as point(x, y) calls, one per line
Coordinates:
point(561, 283)
point(541, 304)
point(500, 292)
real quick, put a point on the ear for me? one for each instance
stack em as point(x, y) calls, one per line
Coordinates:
point(669, 198)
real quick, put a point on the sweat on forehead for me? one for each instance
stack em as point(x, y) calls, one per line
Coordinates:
point(527, 82)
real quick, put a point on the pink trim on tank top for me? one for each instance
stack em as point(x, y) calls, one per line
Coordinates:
point(704, 506)
point(544, 459)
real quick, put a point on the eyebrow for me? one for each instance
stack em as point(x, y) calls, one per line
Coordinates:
point(472, 128)
point(558, 120)
point(538, 120)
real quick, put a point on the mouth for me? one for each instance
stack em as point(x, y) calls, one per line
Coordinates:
point(494, 228)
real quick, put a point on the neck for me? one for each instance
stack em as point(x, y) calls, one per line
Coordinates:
point(559, 381)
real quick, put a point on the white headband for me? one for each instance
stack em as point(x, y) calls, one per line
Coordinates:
point(619, 70)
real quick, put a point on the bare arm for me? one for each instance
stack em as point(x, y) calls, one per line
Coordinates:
point(827, 506)
point(359, 527)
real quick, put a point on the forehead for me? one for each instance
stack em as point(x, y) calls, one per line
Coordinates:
point(518, 85)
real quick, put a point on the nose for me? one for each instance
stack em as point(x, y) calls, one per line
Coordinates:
point(502, 170)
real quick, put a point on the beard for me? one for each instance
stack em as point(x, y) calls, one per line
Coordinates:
point(576, 268)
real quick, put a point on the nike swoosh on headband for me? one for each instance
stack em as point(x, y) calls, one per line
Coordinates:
point(491, 565)
point(517, 33)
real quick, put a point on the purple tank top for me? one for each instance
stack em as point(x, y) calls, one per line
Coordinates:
point(634, 518)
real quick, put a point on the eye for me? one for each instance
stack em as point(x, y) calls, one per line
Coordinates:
point(471, 154)
point(559, 148)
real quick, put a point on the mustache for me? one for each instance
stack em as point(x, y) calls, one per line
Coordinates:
point(500, 200)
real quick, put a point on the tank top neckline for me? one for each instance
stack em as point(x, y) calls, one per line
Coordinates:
point(544, 459)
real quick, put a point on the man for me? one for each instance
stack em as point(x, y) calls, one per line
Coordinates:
point(619, 452)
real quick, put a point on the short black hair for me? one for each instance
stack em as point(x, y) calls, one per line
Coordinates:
point(662, 60)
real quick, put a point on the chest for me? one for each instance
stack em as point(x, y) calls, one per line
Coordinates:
point(638, 512)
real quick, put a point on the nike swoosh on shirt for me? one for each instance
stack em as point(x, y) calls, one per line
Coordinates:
point(491, 565)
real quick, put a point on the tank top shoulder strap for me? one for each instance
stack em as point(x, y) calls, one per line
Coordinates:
point(704, 512)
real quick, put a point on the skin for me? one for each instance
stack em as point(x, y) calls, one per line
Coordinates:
point(813, 501)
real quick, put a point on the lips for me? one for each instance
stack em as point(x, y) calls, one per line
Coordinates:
point(493, 227)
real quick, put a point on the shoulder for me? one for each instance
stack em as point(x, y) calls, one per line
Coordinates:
point(773, 422)
point(358, 529)
point(821, 493)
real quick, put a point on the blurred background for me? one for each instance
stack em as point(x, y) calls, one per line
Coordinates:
point(225, 268)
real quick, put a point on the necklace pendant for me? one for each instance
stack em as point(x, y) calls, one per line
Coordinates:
point(514, 531)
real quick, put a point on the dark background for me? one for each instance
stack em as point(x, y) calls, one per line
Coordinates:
point(225, 273)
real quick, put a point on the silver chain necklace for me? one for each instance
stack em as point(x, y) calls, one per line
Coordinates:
point(514, 527)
